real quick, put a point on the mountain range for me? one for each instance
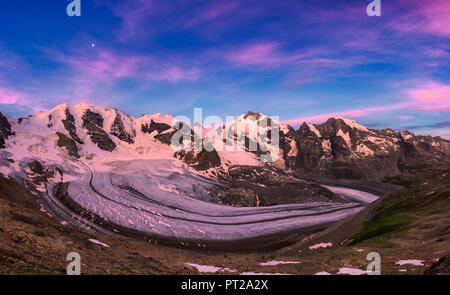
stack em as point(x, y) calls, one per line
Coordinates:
point(340, 148)
point(101, 170)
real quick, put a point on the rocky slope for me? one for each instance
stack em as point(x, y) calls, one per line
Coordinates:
point(5, 130)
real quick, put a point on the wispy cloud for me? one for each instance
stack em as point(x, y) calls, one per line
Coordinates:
point(429, 17)
point(354, 113)
point(133, 15)
point(431, 96)
point(12, 96)
point(210, 13)
point(175, 74)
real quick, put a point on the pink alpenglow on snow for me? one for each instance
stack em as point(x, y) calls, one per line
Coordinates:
point(98, 243)
point(272, 263)
point(210, 269)
point(351, 271)
point(415, 262)
point(320, 245)
point(322, 273)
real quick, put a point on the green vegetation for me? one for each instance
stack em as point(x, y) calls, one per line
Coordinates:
point(406, 208)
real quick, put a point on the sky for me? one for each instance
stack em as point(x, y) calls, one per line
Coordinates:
point(298, 60)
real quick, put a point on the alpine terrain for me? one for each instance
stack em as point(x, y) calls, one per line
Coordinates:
point(96, 179)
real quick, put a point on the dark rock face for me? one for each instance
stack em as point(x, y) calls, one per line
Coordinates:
point(93, 122)
point(93, 118)
point(50, 124)
point(154, 126)
point(199, 158)
point(440, 267)
point(166, 137)
point(118, 130)
point(69, 144)
point(39, 173)
point(69, 124)
point(202, 160)
point(5, 130)
point(336, 149)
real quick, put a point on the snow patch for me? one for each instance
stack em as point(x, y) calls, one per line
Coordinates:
point(321, 245)
point(346, 137)
point(98, 243)
point(271, 263)
point(353, 124)
point(322, 273)
point(264, 274)
point(410, 261)
point(314, 129)
point(209, 269)
point(351, 271)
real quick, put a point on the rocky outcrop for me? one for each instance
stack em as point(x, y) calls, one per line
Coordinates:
point(5, 130)
point(69, 124)
point(202, 160)
point(69, 144)
point(93, 118)
point(340, 148)
point(154, 126)
point(440, 267)
point(93, 122)
point(37, 173)
point(118, 130)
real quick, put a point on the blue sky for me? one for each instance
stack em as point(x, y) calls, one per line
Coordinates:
point(299, 60)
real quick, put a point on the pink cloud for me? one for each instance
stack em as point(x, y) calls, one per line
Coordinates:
point(423, 16)
point(11, 96)
point(404, 118)
point(356, 113)
point(211, 13)
point(431, 96)
point(266, 54)
point(133, 15)
point(175, 74)
point(105, 65)
point(436, 53)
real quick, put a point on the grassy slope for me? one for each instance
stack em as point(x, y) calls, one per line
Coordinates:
point(424, 206)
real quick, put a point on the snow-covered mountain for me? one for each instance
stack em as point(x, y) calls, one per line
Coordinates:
point(101, 169)
point(341, 148)
point(338, 148)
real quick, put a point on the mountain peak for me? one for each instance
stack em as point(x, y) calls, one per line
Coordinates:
point(158, 117)
point(349, 122)
point(253, 114)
